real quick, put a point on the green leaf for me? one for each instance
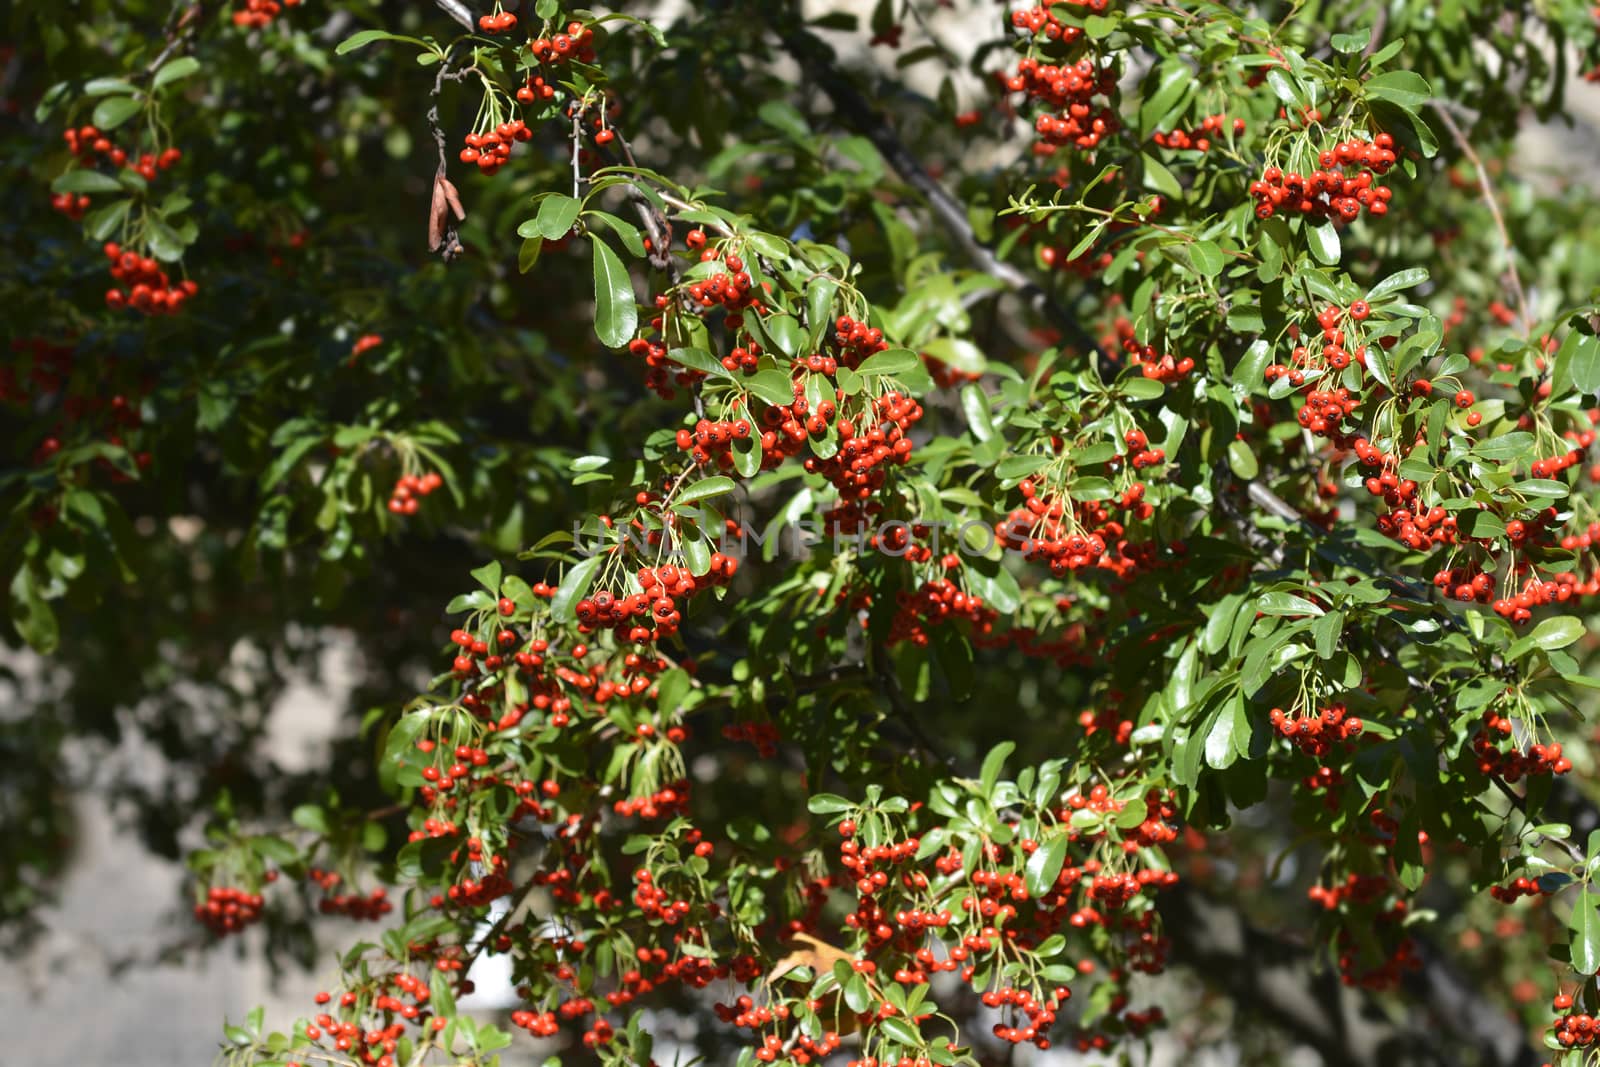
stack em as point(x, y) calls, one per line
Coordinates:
point(1548, 636)
point(773, 386)
point(1044, 866)
point(554, 221)
point(890, 362)
point(441, 998)
point(1323, 240)
point(104, 221)
point(783, 117)
point(1351, 43)
point(108, 87)
point(175, 70)
point(1016, 467)
point(1282, 87)
point(901, 1031)
point(488, 576)
point(1162, 180)
point(1221, 747)
point(957, 352)
point(1400, 279)
point(574, 587)
point(701, 490)
point(1578, 363)
point(310, 817)
point(699, 359)
point(1137, 387)
point(528, 254)
point(85, 181)
point(1242, 459)
point(628, 233)
point(616, 316)
point(1403, 88)
point(113, 111)
point(1172, 79)
point(1281, 603)
point(975, 405)
point(362, 38)
point(828, 804)
point(1252, 365)
point(32, 615)
point(1207, 258)
point(1584, 923)
point(993, 763)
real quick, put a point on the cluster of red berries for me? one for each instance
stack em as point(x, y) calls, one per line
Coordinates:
point(369, 907)
point(1511, 766)
point(665, 803)
point(1578, 1029)
point(1199, 140)
point(1388, 973)
point(870, 443)
point(1468, 584)
point(497, 22)
point(763, 735)
point(1042, 18)
point(409, 489)
point(935, 603)
point(1043, 531)
point(651, 614)
point(1316, 734)
point(1515, 891)
point(70, 205)
point(258, 13)
point(662, 374)
point(147, 289)
point(732, 290)
point(1330, 193)
point(576, 44)
point(1041, 1014)
point(534, 90)
point(713, 439)
point(854, 342)
point(1151, 363)
point(1141, 457)
point(1067, 93)
point(87, 142)
point(491, 148)
point(1536, 592)
point(1160, 366)
point(228, 909)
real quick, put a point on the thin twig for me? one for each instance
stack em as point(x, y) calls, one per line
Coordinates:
point(180, 33)
point(1380, 23)
point(1487, 188)
point(655, 224)
point(577, 147)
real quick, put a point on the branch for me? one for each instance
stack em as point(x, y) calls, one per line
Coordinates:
point(818, 62)
point(1487, 188)
point(655, 224)
point(180, 33)
point(442, 236)
point(458, 11)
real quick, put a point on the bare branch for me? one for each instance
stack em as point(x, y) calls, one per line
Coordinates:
point(458, 11)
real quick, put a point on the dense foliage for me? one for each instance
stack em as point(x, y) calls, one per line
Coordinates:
point(958, 526)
